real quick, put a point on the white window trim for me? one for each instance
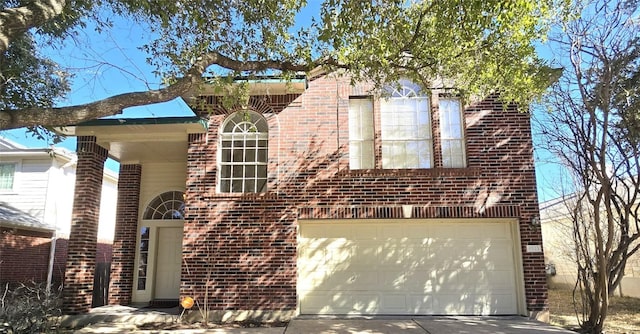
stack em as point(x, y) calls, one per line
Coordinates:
point(462, 140)
point(152, 211)
point(408, 94)
point(17, 172)
point(229, 136)
point(360, 161)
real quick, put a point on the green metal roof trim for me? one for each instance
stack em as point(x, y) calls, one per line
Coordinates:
point(146, 121)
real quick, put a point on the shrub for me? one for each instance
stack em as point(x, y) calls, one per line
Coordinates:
point(29, 308)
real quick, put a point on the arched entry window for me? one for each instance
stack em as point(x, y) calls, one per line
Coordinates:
point(242, 153)
point(168, 205)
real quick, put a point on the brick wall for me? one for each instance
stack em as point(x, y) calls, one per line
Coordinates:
point(243, 247)
point(124, 243)
point(80, 267)
point(24, 255)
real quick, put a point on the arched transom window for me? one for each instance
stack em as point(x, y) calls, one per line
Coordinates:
point(168, 205)
point(242, 154)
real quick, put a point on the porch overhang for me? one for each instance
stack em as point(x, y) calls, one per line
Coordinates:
point(141, 140)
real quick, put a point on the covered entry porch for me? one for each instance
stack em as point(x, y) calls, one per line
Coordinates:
point(148, 239)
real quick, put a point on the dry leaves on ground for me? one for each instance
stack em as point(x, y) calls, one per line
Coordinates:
point(623, 318)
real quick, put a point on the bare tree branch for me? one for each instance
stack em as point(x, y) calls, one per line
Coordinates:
point(11, 119)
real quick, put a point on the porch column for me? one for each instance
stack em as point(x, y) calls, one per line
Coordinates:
point(81, 256)
point(124, 242)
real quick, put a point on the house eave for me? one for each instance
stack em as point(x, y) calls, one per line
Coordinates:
point(134, 140)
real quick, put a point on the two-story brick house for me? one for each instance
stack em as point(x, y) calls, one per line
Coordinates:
point(318, 198)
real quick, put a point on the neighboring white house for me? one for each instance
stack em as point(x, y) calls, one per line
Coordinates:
point(557, 241)
point(40, 182)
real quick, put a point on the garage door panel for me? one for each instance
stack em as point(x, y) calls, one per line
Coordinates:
point(461, 304)
point(321, 232)
point(363, 232)
point(367, 253)
point(406, 268)
point(339, 253)
point(394, 303)
point(341, 303)
point(500, 250)
point(392, 281)
point(314, 256)
point(420, 304)
point(392, 232)
point(419, 281)
point(365, 303)
point(417, 231)
point(346, 280)
point(500, 280)
point(327, 303)
point(415, 259)
point(474, 304)
point(391, 257)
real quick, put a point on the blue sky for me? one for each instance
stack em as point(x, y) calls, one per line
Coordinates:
point(96, 78)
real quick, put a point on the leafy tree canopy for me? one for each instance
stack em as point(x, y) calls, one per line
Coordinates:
point(477, 46)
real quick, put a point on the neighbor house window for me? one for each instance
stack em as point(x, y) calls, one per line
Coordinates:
point(406, 128)
point(452, 133)
point(361, 152)
point(243, 153)
point(7, 174)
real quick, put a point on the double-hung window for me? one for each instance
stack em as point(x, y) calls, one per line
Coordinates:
point(406, 129)
point(243, 153)
point(7, 176)
point(361, 134)
point(451, 133)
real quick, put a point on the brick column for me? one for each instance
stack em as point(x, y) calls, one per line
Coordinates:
point(124, 242)
point(81, 256)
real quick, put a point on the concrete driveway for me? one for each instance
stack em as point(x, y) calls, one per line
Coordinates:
point(425, 324)
point(374, 325)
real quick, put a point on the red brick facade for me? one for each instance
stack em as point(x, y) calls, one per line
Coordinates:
point(24, 255)
point(243, 247)
point(124, 243)
point(81, 255)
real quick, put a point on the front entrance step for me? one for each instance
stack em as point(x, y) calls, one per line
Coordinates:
point(120, 314)
point(164, 303)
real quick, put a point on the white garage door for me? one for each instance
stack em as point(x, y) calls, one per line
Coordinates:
point(406, 267)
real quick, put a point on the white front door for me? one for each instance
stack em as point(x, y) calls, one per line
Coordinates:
point(168, 263)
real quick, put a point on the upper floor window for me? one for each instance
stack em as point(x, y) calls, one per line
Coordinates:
point(405, 139)
point(361, 134)
point(242, 153)
point(406, 128)
point(451, 133)
point(7, 175)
